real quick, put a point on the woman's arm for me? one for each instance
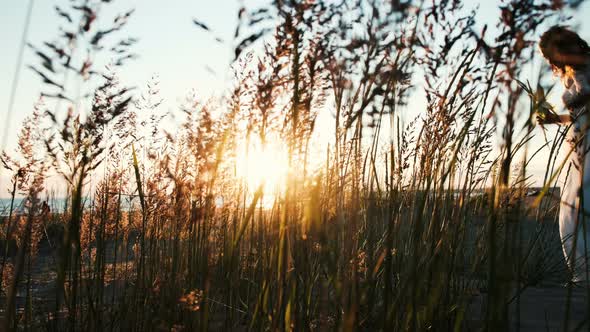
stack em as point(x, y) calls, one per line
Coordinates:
point(564, 119)
point(577, 101)
point(551, 118)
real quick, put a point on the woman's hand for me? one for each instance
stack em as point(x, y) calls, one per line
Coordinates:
point(552, 118)
point(546, 118)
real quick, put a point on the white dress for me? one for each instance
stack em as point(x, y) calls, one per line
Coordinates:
point(577, 170)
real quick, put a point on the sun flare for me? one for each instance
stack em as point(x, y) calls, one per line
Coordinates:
point(267, 166)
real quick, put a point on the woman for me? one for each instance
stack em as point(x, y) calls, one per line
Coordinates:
point(569, 57)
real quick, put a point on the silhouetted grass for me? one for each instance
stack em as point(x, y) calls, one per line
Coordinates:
point(397, 225)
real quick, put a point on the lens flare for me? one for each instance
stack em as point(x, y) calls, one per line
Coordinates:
point(263, 165)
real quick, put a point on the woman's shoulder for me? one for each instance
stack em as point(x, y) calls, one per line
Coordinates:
point(577, 80)
point(577, 84)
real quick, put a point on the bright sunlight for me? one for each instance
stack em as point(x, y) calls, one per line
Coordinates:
point(268, 166)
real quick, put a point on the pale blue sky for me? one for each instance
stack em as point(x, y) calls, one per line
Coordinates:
point(169, 45)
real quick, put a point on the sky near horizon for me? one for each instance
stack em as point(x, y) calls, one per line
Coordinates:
point(170, 46)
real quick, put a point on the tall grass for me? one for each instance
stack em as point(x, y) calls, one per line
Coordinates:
point(398, 224)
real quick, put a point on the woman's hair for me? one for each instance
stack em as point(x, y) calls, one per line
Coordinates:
point(563, 47)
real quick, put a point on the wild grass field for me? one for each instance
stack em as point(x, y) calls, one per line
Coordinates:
point(398, 217)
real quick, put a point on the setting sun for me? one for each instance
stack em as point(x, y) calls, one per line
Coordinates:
point(267, 165)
